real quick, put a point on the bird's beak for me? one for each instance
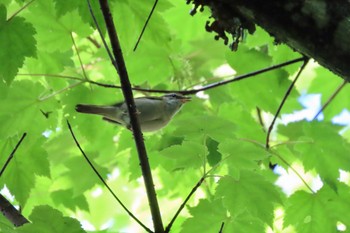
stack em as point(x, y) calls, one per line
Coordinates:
point(185, 99)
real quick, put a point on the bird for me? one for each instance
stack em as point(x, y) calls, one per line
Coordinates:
point(153, 112)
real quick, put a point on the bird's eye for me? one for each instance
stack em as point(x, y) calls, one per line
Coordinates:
point(172, 95)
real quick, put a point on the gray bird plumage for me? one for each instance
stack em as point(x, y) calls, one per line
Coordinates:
point(154, 112)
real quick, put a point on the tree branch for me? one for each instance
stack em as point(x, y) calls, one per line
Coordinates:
point(318, 29)
point(306, 60)
point(129, 99)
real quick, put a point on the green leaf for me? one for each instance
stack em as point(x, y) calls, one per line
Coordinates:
point(3, 15)
point(251, 193)
point(244, 222)
point(214, 156)
point(65, 197)
point(203, 220)
point(17, 43)
point(341, 204)
point(41, 215)
point(49, 62)
point(6, 225)
point(247, 126)
point(187, 155)
point(241, 155)
point(309, 213)
point(22, 111)
point(215, 127)
point(342, 99)
point(77, 166)
point(319, 150)
point(54, 32)
point(241, 61)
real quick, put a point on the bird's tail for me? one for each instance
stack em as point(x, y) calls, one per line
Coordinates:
point(94, 109)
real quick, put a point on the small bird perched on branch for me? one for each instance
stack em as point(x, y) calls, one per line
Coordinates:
point(154, 112)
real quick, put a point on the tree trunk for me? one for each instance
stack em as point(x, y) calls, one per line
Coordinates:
point(319, 29)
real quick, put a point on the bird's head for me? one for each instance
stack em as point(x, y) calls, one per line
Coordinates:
point(174, 101)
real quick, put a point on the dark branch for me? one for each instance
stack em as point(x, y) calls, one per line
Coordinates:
point(136, 129)
point(306, 60)
point(332, 97)
point(145, 25)
point(186, 92)
point(11, 213)
point(222, 227)
point(104, 182)
point(12, 154)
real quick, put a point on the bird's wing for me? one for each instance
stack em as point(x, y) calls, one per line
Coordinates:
point(149, 108)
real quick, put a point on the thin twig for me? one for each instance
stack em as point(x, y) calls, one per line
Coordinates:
point(60, 91)
point(194, 189)
point(291, 143)
point(120, 66)
point(94, 42)
point(55, 76)
point(261, 122)
point(19, 11)
point(100, 33)
point(12, 154)
point(145, 25)
point(332, 97)
point(306, 60)
point(79, 58)
point(104, 182)
point(238, 78)
point(11, 213)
